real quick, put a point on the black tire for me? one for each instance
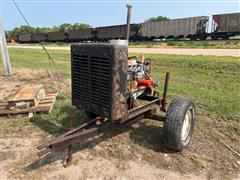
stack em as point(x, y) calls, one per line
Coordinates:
point(173, 125)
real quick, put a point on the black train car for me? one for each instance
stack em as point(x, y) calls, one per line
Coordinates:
point(81, 35)
point(225, 25)
point(39, 37)
point(57, 36)
point(25, 38)
point(117, 32)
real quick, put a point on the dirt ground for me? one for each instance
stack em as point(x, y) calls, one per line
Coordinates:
point(179, 51)
point(134, 151)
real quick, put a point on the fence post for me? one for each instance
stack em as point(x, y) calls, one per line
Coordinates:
point(4, 50)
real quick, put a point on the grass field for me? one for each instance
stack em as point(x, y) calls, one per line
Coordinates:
point(220, 44)
point(209, 44)
point(212, 82)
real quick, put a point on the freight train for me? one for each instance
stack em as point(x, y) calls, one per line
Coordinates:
point(223, 26)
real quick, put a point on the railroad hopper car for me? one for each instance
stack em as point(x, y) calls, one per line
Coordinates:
point(80, 35)
point(116, 32)
point(25, 38)
point(225, 25)
point(192, 27)
point(57, 36)
point(39, 37)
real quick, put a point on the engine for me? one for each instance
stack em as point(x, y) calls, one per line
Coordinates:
point(105, 81)
point(139, 77)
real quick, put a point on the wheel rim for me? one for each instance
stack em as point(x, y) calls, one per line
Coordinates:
point(186, 125)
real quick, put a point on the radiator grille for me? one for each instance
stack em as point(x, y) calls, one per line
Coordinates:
point(91, 80)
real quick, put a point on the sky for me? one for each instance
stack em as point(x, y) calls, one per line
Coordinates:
point(48, 13)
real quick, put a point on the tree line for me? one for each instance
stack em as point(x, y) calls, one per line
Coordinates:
point(63, 27)
point(157, 19)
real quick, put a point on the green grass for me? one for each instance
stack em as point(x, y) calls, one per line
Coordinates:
point(233, 43)
point(236, 37)
point(220, 44)
point(212, 82)
point(37, 59)
point(56, 121)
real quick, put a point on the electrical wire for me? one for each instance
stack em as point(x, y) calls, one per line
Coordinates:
point(41, 43)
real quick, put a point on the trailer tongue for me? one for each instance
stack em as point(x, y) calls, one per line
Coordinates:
point(91, 130)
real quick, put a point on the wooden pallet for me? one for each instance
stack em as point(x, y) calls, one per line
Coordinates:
point(27, 96)
point(43, 106)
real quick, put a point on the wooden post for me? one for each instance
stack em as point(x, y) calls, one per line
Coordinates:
point(4, 51)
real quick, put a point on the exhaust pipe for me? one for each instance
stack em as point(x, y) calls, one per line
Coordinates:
point(129, 7)
point(124, 42)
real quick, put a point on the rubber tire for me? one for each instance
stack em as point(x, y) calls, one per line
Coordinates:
point(174, 122)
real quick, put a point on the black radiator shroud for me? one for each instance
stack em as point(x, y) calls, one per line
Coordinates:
point(99, 79)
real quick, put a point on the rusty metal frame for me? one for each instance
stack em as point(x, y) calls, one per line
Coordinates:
point(92, 129)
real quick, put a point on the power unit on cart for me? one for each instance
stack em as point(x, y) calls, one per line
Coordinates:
point(113, 89)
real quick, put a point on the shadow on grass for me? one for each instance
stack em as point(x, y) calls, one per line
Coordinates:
point(56, 122)
point(149, 136)
point(45, 124)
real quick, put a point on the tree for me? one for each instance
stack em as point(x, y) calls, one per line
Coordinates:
point(78, 26)
point(55, 29)
point(22, 30)
point(159, 18)
point(63, 27)
point(42, 30)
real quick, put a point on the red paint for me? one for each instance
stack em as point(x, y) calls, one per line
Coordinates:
point(146, 83)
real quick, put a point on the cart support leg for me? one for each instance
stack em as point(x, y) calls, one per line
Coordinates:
point(164, 100)
point(70, 147)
